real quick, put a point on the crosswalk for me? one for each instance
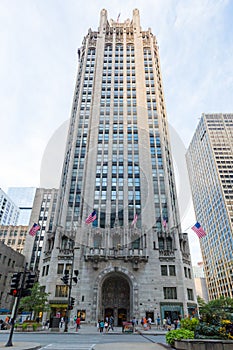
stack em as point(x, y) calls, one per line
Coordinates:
point(65, 346)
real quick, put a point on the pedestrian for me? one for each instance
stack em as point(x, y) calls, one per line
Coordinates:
point(134, 322)
point(106, 326)
point(78, 321)
point(158, 322)
point(61, 322)
point(111, 323)
point(145, 323)
point(165, 323)
point(169, 324)
point(149, 320)
point(101, 325)
point(142, 322)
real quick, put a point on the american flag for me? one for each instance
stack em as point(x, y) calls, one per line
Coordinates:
point(91, 218)
point(34, 229)
point(135, 219)
point(199, 230)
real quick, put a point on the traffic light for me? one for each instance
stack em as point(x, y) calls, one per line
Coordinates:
point(15, 284)
point(75, 279)
point(29, 283)
point(72, 301)
point(65, 278)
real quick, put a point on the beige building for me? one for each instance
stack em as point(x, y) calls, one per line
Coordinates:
point(200, 281)
point(210, 166)
point(43, 214)
point(133, 260)
point(14, 236)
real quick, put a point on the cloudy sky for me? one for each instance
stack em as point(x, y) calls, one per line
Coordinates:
point(38, 65)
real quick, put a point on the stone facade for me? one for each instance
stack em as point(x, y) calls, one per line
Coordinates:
point(11, 261)
point(133, 260)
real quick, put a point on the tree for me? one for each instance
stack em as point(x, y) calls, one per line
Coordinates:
point(201, 302)
point(216, 310)
point(36, 302)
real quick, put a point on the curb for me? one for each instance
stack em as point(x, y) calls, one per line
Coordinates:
point(21, 346)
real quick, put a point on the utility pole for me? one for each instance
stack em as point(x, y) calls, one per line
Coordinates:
point(15, 308)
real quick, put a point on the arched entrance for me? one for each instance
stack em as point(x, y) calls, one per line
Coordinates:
point(115, 296)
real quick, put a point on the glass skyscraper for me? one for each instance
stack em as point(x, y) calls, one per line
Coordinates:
point(210, 166)
point(133, 260)
point(23, 197)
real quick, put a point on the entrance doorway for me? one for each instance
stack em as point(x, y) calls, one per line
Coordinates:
point(115, 298)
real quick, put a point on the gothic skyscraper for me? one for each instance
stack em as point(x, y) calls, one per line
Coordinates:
point(133, 259)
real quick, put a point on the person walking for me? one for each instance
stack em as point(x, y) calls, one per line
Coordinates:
point(111, 323)
point(106, 326)
point(61, 322)
point(78, 321)
point(101, 324)
point(149, 320)
point(158, 322)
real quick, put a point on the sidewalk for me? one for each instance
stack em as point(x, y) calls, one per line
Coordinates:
point(91, 329)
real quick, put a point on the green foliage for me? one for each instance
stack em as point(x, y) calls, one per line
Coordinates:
point(24, 326)
point(35, 326)
point(206, 329)
point(36, 302)
point(178, 334)
point(190, 324)
point(216, 319)
point(201, 302)
point(217, 310)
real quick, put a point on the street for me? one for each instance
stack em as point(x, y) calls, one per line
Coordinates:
point(79, 341)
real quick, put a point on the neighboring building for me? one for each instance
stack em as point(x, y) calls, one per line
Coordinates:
point(9, 212)
point(200, 281)
point(43, 214)
point(14, 236)
point(118, 161)
point(23, 197)
point(10, 262)
point(210, 166)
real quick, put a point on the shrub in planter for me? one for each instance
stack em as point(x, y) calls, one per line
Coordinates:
point(178, 334)
point(24, 326)
point(35, 326)
point(190, 324)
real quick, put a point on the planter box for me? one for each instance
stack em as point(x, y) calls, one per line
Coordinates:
point(203, 344)
point(28, 329)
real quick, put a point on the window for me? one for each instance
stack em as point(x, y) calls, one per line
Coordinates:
point(170, 293)
point(172, 270)
point(164, 270)
point(60, 268)
point(190, 294)
point(61, 291)
point(161, 244)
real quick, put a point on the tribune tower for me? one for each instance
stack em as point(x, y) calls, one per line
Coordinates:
point(118, 162)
